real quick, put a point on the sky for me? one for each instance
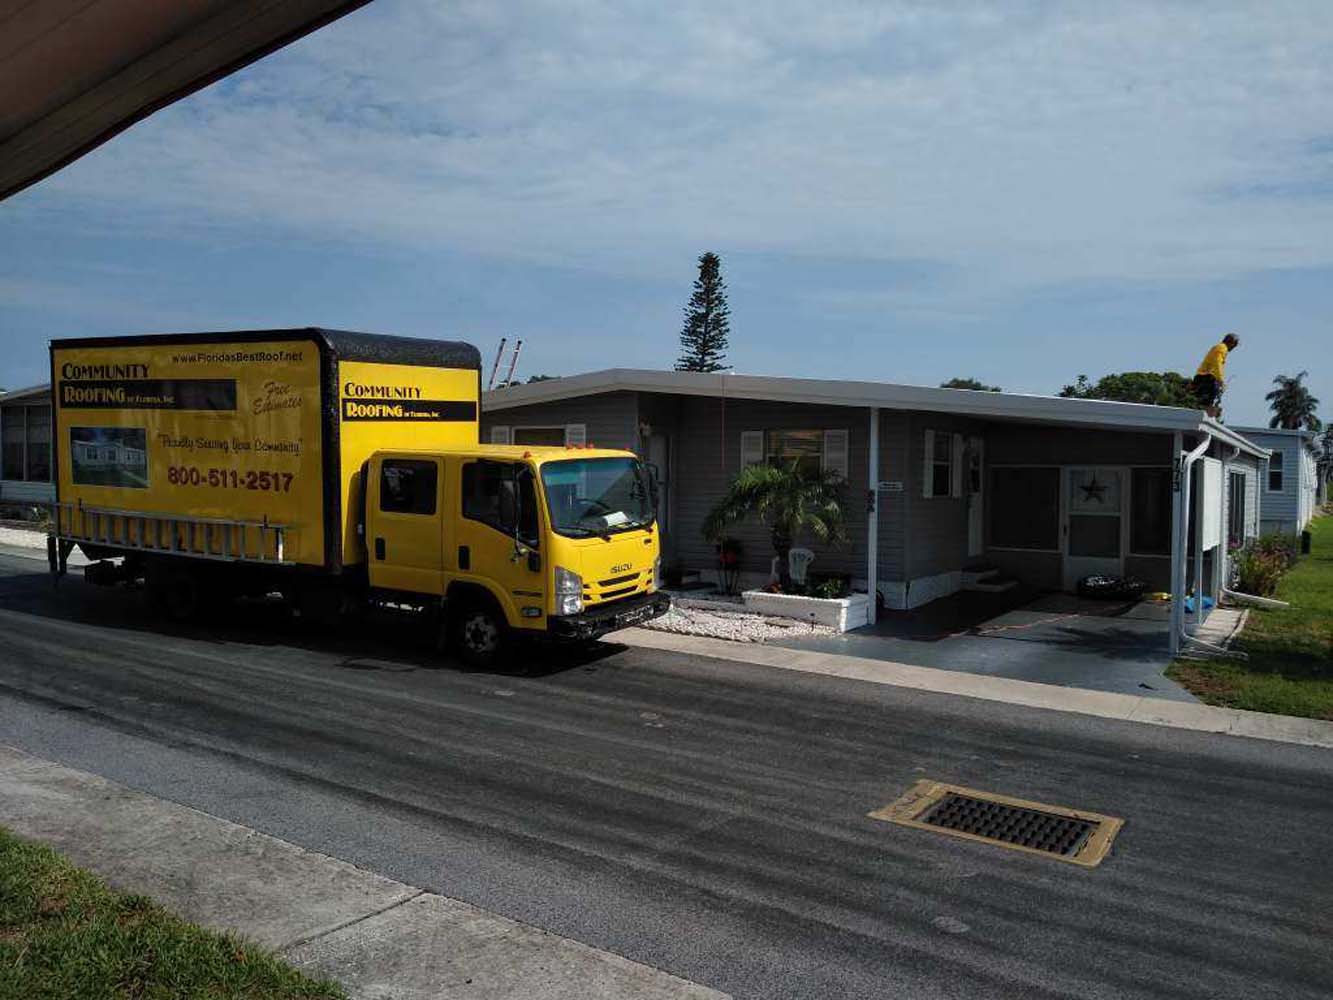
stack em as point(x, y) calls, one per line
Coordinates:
point(1020, 192)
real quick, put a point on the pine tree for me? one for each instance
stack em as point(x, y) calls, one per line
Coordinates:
point(703, 338)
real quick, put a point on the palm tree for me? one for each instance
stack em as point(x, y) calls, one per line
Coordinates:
point(1293, 406)
point(789, 501)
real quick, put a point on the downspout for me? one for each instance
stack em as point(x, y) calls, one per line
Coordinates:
point(872, 517)
point(1222, 561)
point(1180, 534)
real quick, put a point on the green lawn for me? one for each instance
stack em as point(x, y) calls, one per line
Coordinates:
point(65, 936)
point(1290, 670)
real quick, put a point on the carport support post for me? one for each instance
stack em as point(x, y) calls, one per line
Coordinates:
point(872, 517)
point(1200, 500)
point(1177, 531)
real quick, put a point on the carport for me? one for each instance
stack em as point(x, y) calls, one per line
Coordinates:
point(1052, 638)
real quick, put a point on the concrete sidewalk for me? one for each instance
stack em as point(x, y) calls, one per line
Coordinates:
point(380, 938)
point(1130, 708)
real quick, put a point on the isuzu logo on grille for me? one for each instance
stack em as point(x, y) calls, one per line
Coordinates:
point(621, 568)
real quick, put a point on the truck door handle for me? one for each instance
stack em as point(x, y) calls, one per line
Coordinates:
point(464, 557)
point(379, 548)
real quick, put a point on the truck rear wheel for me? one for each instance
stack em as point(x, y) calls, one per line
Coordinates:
point(479, 634)
point(176, 591)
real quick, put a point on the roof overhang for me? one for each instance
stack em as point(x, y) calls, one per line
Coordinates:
point(74, 73)
point(33, 394)
point(1088, 413)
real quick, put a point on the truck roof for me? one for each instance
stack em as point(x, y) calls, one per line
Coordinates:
point(345, 345)
point(515, 452)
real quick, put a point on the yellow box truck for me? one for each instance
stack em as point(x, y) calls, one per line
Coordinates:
point(339, 469)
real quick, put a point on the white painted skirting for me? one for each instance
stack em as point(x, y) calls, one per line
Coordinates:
point(905, 595)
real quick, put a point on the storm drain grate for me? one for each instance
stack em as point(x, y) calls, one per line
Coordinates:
point(1042, 831)
point(1080, 837)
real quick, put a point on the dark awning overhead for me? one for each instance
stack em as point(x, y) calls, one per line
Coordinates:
point(73, 73)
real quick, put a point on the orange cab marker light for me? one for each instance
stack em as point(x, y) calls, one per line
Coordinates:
point(527, 454)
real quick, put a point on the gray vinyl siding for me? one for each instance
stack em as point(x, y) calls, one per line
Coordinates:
point(937, 525)
point(1289, 509)
point(894, 507)
point(1249, 468)
point(708, 457)
point(612, 418)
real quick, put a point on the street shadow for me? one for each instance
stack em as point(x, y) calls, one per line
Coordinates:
point(380, 641)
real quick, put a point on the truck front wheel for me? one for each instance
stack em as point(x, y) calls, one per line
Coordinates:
point(479, 634)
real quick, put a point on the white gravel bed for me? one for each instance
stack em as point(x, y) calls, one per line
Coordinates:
point(22, 538)
point(738, 626)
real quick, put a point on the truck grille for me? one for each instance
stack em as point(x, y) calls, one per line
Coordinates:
point(614, 587)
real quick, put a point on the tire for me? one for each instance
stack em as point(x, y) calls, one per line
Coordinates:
point(479, 634)
point(176, 592)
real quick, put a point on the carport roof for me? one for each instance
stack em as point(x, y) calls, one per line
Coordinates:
point(1090, 413)
point(74, 73)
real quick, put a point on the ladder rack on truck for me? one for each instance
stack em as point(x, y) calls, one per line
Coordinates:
point(218, 539)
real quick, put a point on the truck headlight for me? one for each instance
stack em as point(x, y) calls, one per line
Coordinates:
point(657, 573)
point(568, 592)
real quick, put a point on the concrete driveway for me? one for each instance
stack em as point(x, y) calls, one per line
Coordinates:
point(1049, 638)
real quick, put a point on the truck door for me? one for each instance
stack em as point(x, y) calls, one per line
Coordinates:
point(499, 537)
point(404, 524)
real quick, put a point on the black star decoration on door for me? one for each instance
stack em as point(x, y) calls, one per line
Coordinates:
point(1094, 491)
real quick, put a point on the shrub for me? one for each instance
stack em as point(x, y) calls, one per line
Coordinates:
point(1278, 546)
point(1259, 569)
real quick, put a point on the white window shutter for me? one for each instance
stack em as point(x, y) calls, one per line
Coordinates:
point(835, 452)
point(752, 448)
point(956, 468)
point(499, 435)
point(576, 435)
point(928, 466)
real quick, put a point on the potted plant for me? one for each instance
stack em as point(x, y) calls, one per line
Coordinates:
point(789, 502)
point(729, 552)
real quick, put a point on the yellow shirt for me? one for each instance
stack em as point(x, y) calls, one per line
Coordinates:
point(1215, 361)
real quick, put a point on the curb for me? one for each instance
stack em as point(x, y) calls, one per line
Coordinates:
point(1103, 704)
point(379, 937)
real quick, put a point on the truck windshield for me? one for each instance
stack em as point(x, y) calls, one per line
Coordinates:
point(597, 496)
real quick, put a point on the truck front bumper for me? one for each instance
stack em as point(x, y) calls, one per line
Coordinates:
point(600, 619)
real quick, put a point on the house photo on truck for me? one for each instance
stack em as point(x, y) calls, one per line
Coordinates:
point(340, 470)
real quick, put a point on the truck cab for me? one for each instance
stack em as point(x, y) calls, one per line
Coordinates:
point(510, 541)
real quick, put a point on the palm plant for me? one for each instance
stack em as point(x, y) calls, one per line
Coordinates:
point(788, 501)
point(1293, 406)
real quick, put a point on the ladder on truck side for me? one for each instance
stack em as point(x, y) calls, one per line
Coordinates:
point(135, 531)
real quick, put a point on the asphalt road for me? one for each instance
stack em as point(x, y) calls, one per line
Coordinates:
point(704, 817)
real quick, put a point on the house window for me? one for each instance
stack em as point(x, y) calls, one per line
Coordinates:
point(1025, 508)
point(1275, 472)
point(804, 449)
point(26, 443)
point(1236, 509)
point(810, 451)
point(1150, 512)
point(540, 437)
point(942, 450)
point(408, 486)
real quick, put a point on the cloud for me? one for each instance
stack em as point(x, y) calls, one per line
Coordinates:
point(1015, 146)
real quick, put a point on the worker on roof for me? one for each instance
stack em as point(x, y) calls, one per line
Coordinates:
point(1210, 379)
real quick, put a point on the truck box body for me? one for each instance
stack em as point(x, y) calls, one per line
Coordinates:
point(267, 427)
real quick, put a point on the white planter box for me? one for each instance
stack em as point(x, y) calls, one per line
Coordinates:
point(841, 613)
